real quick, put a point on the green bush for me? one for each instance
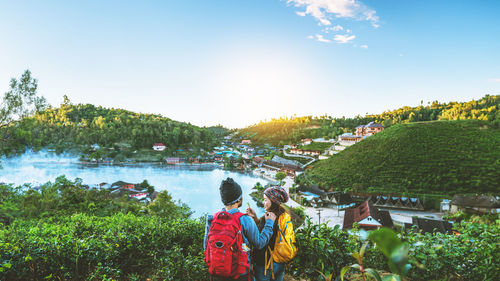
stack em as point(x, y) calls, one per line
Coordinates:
point(321, 248)
point(80, 234)
point(81, 247)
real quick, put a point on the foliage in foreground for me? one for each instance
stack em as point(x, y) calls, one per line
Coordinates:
point(159, 241)
point(472, 255)
point(120, 247)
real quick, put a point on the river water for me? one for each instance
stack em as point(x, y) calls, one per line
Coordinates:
point(195, 185)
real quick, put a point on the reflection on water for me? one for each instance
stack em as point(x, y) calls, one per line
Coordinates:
point(195, 185)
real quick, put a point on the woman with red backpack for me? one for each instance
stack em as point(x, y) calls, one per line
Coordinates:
point(269, 262)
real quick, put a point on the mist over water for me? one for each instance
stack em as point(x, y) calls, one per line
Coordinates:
point(195, 185)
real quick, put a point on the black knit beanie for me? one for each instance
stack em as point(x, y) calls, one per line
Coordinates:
point(230, 192)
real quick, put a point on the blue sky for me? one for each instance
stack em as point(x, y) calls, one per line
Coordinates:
point(237, 62)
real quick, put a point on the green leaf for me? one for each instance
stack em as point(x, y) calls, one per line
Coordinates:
point(399, 259)
point(343, 271)
point(362, 251)
point(7, 265)
point(391, 277)
point(385, 239)
point(356, 256)
point(373, 273)
point(356, 266)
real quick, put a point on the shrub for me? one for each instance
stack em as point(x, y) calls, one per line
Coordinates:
point(87, 247)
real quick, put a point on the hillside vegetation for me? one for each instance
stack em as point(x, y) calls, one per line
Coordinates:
point(287, 130)
point(443, 157)
point(85, 124)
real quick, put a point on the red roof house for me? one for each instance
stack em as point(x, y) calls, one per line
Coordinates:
point(367, 216)
point(159, 146)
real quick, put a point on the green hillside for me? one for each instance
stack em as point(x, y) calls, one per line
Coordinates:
point(84, 124)
point(287, 130)
point(442, 157)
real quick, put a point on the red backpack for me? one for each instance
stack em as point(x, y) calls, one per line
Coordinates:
point(224, 253)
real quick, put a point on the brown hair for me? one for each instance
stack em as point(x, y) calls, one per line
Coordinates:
point(276, 209)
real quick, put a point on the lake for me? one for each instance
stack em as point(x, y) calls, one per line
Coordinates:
point(195, 185)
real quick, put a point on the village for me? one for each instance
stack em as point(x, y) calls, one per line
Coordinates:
point(345, 209)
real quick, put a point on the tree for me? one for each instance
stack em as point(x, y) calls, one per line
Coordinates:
point(20, 101)
point(280, 176)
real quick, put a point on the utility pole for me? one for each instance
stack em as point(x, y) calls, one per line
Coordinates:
point(319, 216)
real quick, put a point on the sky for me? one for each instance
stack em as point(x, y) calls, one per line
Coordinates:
point(237, 62)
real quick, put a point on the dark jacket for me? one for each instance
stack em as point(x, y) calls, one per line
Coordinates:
point(258, 255)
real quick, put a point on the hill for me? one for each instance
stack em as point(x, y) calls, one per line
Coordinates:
point(442, 157)
point(71, 125)
point(286, 130)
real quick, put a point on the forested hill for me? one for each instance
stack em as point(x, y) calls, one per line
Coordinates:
point(86, 124)
point(443, 157)
point(292, 129)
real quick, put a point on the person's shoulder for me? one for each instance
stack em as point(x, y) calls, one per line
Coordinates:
point(245, 219)
point(286, 216)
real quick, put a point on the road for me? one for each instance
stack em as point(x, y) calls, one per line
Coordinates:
point(298, 155)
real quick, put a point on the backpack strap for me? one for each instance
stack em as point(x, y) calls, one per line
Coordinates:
point(269, 263)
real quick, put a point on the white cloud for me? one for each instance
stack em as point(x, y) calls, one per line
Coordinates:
point(320, 38)
point(310, 37)
point(342, 39)
point(324, 10)
point(337, 28)
point(496, 80)
point(364, 46)
point(333, 28)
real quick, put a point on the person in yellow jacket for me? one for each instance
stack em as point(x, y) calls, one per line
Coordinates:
point(269, 262)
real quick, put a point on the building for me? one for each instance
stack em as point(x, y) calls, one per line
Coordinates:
point(426, 225)
point(159, 146)
point(173, 160)
point(138, 196)
point(396, 202)
point(258, 161)
point(246, 142)
point(128, 186)
point(306, 141)
point(445, 205)
point(367, 216)
point(337, 198)
point(350, 139)
point(480, 204)
point(324, 140)
point(369, 129)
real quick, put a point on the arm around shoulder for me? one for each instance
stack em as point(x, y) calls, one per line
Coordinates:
point(256, 238)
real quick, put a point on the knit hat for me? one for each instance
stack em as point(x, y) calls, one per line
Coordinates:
point(230, 191)
point(277, 194)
